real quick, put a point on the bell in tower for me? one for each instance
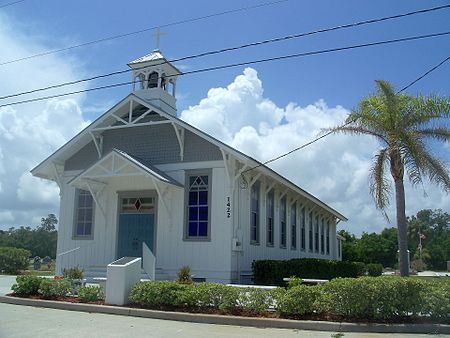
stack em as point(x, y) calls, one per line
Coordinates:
point(154, 80)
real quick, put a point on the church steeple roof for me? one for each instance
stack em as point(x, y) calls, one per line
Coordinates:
point(153, 56)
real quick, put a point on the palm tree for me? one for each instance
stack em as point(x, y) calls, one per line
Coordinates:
point(403, 125)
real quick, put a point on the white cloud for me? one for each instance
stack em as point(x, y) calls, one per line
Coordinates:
point(31, 132)
point(334, 169)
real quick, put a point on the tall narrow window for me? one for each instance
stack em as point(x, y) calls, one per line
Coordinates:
point(254, 214)
point(294, 226)
point(322, 237)
point(316, 235)
point(153, 80)
point(198, 207)
point(310, 231)
point(84, 214)
point(328, 237)
point(339, 248)
point(303, 231)
point(283, 222)
point(269, 213)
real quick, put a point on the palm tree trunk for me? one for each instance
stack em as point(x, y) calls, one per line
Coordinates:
point(401, 226)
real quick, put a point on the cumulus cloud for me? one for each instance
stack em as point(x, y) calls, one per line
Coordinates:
point(334, 169)
point(30, 132)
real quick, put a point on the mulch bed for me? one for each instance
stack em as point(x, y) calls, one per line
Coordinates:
point(68, 299)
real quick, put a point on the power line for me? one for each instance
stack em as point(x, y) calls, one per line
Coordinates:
point(114, 37)
point(11, 3)
point(345, 124)
point(277, 58)
point(253, 44)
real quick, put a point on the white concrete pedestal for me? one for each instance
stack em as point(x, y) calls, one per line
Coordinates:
point(121, 276)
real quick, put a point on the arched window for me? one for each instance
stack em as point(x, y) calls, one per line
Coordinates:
point(140, 79)
point(153, 80)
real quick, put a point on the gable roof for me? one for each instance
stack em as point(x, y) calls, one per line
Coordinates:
point(83, 138)
point(136, 162)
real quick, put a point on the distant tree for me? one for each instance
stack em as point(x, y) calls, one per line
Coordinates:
point(402, 124)
point(348, 247)
point(49, 223)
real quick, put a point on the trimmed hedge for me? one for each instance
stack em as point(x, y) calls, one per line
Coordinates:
point(366, 298)
point(53, 288)
point(90, 293)
point(12, 260)
point(272, 272)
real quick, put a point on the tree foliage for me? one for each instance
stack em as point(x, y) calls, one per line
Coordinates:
point(403, 125)
point(382, 247)
point(40, 241)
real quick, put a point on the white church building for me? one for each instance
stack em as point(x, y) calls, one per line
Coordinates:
point(140, 182)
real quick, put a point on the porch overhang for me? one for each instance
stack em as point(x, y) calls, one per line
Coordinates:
point(117, 164)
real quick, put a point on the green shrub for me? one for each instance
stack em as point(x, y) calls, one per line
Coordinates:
point(12, 260)
point(374, 270)
point(436, 296)
point(298, 300)
point(27, 285)
point(272, 272)
point(90, 293)
point(294, 281)
point(73, 273)
point(53, 288)
point(184, 275)
point(256, 301)
point(215, 296)
point(361, 268)
point(160, 294)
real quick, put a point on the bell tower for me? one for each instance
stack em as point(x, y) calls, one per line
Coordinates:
point(155, 79)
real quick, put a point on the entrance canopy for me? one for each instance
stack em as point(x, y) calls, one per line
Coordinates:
point(118, 163)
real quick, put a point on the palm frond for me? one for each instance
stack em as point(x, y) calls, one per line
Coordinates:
point(422, 110)
point(438, 133)
point(380, 187)
point(353, 130)
point(436, 170)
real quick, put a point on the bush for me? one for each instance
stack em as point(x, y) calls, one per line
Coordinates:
point(27, 285)
point(367, 298)
point(272, 272)
point(294, 281)
point(159, 294)
point(53, 288)
point(90, 293)
point(256, 301)
point(12, 260)
point(184, 275)
point(298, 300)
point(361, 268)
point(215, 296)
point(374, 270)
point(73, 273)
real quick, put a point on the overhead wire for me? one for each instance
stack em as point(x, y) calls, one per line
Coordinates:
point(202, 70)
point(119, 36)
point(345, 124)
point(11, 3)
point(234, 48)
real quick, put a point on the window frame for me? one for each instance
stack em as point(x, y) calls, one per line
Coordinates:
point(257, 214)
point(188, 174)
point(328, 238)
point(293, 221)
point(303, 228)
point(316, 235)
point(270, 226)
point(283, 222)
point(311, 232)
point(75, 236)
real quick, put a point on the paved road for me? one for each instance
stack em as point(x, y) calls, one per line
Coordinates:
point(24, 321)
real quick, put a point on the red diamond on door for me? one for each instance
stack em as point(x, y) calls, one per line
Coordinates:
point(137, 204)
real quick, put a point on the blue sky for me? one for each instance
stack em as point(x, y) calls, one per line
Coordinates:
point(339, 79)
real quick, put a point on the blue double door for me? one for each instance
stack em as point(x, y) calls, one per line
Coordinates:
point(134, 229)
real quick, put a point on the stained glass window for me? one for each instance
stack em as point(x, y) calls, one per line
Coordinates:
point(283, 223)
point(303, 232)
point(198, 208)
point(310, 238)
point(294, 226)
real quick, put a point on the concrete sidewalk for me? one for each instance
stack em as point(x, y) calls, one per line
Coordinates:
point(25, 321)
point(5, 284)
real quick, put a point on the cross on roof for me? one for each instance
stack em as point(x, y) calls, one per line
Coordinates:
point(158, 35)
